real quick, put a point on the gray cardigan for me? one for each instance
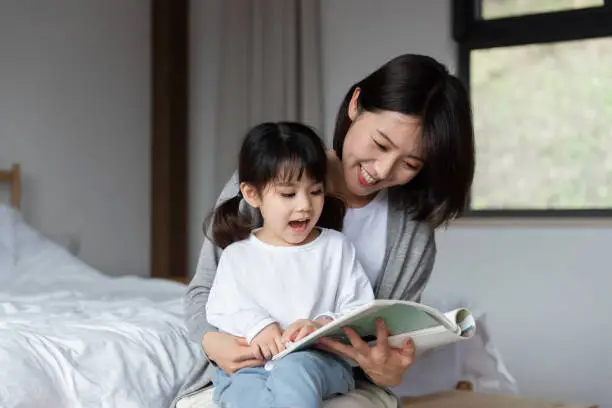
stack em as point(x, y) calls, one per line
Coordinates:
point(408, 262)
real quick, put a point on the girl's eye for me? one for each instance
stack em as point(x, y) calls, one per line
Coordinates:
point(317, 192)
point(411, 166)
point(287, 195)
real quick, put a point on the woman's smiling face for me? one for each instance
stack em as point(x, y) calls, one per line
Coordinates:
point(381, 150)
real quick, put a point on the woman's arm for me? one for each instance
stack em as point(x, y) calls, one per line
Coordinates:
point(384, 365)
point(230, 353)
point(199, 287)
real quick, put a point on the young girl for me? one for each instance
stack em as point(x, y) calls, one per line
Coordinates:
point(280, 282)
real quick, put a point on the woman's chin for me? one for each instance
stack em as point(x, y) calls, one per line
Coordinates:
point(360, 195)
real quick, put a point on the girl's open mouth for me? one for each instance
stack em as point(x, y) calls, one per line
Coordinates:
point(299, 226)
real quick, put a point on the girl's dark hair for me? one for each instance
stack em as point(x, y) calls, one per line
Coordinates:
point(273, 152)
point(419, 85)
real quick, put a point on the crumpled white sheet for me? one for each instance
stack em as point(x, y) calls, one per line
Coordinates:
point(73, 337)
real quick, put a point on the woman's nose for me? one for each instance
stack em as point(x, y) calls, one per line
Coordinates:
point(384, 167)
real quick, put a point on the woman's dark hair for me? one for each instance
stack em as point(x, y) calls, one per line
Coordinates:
point(274, 152)
point(420, 86)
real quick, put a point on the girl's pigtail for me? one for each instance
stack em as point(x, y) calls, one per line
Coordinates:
point(226, 224)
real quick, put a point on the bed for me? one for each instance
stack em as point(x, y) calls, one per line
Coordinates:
point(71, 336)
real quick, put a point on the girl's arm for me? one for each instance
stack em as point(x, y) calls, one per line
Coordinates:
point(355, 289)
point(229, 307)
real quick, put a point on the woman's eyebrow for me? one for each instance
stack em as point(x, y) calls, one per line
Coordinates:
point(387, 138)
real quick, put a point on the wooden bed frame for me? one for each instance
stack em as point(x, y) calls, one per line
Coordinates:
point(13, 177)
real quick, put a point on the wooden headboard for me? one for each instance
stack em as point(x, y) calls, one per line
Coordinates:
point(13, 177)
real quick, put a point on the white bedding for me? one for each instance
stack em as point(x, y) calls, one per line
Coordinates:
point(73, 337)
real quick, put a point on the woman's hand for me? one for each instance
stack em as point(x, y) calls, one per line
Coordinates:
point(268, 340)
point(230, 353)
point(383, 364)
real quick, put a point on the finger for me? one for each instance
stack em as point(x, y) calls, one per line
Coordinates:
point(337, 347)
point(248, 364)
point(304, 331)
point(265, 350)
point(361, 347)
point(252, 352)
point(289, 333)
point(242, 341)
point(409, 348)
point(382, 338)
point(382, 333)
point(280, 344)
point(323, 347)
point(257, 354)
point(273, 347)
point(405, 360)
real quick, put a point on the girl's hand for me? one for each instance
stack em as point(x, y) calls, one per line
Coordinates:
point(383, 364)
point(302, 328)
point(230, 353)
point(269, 341)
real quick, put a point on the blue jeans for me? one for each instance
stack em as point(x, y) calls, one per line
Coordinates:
point(302, 379)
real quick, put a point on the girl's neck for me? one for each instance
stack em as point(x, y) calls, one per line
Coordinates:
point(269, 237)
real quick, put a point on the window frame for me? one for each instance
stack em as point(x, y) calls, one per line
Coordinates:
point(470, 32)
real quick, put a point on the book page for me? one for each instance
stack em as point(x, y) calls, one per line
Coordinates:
point(399, 318)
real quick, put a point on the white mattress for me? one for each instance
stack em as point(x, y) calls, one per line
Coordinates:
point(73, 337)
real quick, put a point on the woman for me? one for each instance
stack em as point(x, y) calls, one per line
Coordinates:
point(403, 159)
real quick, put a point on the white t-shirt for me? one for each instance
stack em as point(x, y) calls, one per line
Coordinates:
point(257, 284)
point(366, 228)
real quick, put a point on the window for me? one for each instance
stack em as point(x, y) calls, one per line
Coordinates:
point(491, 9)
point(540, 83)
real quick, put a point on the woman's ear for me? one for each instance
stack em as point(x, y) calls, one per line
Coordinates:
point(353, 108)
point(250, 194)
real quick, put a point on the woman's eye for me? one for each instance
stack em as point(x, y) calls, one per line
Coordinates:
point(317, 192)
point(380, 146)
point(287, 195)
point(411, 166)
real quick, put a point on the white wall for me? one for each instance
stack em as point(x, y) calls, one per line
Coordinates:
point(359, 36)
point(205, 36)
point(558, 275)
point(541, 286)
point(74, 111)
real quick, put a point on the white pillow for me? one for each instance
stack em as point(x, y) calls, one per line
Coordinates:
point(476, 360)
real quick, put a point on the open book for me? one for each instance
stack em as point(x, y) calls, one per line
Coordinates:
point(428, 327)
